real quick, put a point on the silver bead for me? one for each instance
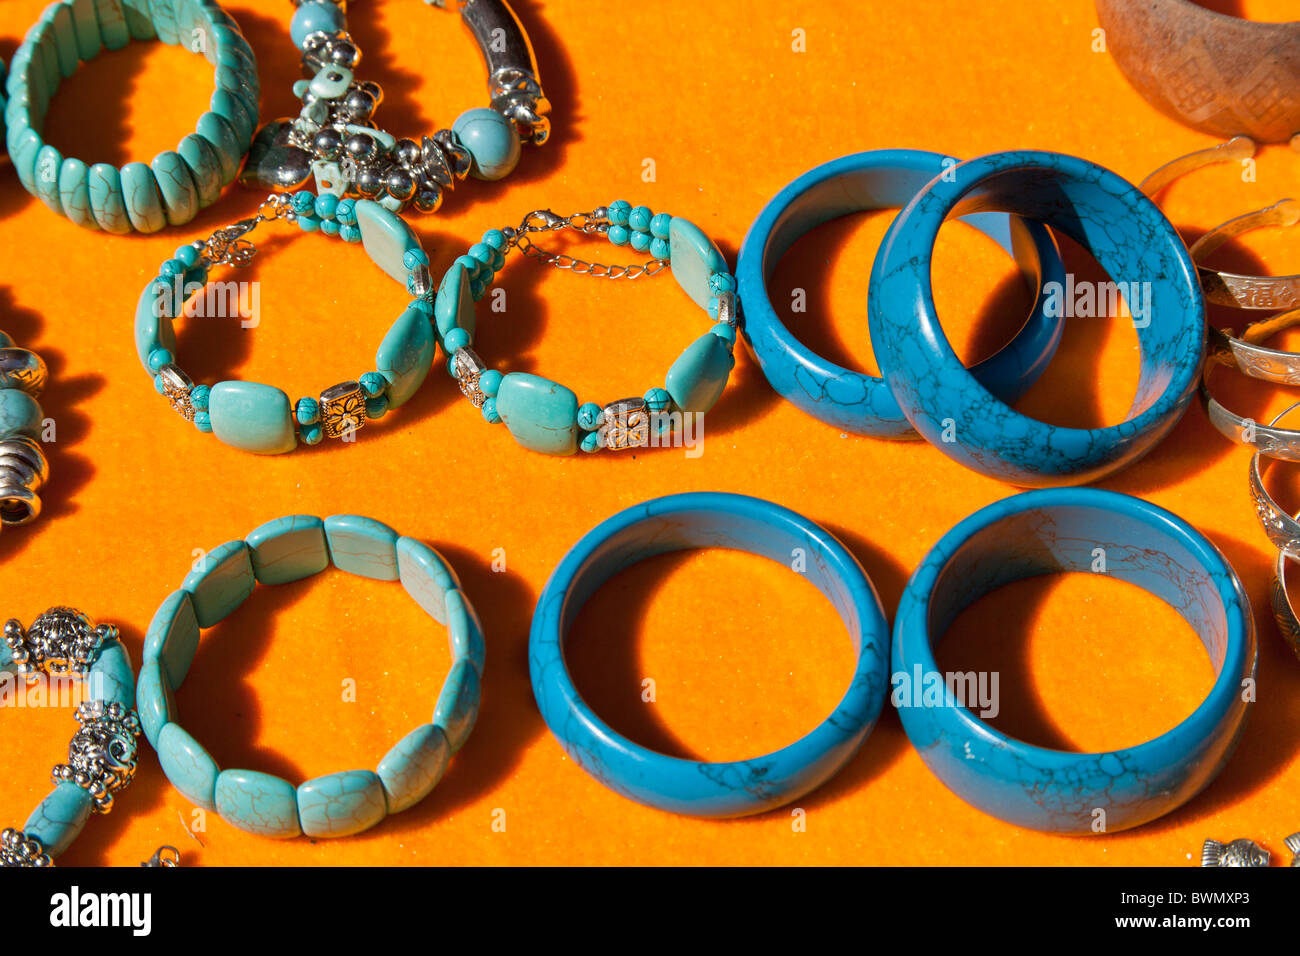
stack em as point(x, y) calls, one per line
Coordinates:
point(274, 162)
point(421, 281)
point(327, 143)
point(407, 152)
point(626, 424)
point(400, 184)
point(428, 199)
point(368, 182)
point(360, 147)
point(469, 370)
point(359, 105)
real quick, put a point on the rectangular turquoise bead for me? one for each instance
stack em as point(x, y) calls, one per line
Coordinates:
point(253, 417)
point(258, 803)
point(542, 415)
point(362, 546)
point(425, 576)
point(58, 818)
point(155, 704)
point(220, 582)
point(173, 636)
point(457, 708)
point(411, 770)
point(289, 549)
point(188, 766)
point(341, 804)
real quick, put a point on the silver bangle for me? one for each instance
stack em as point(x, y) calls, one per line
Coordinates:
point(1258, 362)
point(1282, 528)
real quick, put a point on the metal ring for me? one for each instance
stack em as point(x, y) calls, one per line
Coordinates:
point(1258, 362)
point(1282, 529)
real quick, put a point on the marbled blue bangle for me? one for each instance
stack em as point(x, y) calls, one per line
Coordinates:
point(1071, 529)
point(1131, 239)
point(708, 520)
point(289, 549)
point(879, 179)
point(137, 197)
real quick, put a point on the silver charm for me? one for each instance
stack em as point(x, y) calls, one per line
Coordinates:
point(102, 754)
point(469, 370)
point(1241, 852)
point(626, 424)
point(62, 641)
point(18, 849)
point(343, 410)
point(176, 389)
point(23, 470)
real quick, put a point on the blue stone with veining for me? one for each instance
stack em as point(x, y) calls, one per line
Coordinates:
point(46, 174)
point(164, 20)
point(74, 192)
point(139, 19)
point(58, 818)
point(542, 415)
point(288, 549)
point(23, 145)
point(406, 355)
point(465, 631)
point(411, 770)
point(188, 766)
point(492, 141)
point(112, 24)
point(426, 576)
point(144, 205)
point(386, 238)
point(233, 110)
point(453, 307)
point(341, 804)
point(179, 192)
point(20, 415)
point(362, 546)
point(111, 678)
point(65, 36)
point(153, 324)
point(221, 581)
point(106, 200)
point(223, 138)
point(154, 702)
point(258, 803)
point(173, 636)
point(699, 375)
point(313, 16)
point(253, 417)
point(204, 166)
point(694, 258)
point(457, 708)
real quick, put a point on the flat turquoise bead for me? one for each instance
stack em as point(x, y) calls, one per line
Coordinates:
point(694, 259)
point(112, 24)
point(74, 192)
point(164, 20)
point(227, 104)
point(362, 546)
point(491, 140)
point(386, 238)
point(188, 766)
point(457, 708)
point(453, 307)
point(139, 19)
point(48, 163)
point(154, 701)
point(289, 549)
point(253, 417)
point(426, 577)
point(221, 582)
point(111, 678)
point(216, 129)
point(153, 329)
point(465, 631)
point(23, 145)
point(542, 415)
point(258, 803)
point(313, 16)
point(190, 23)
point(65, 37)
point(58, 818)
point(173, 637)
point(106, 200)
point(405, 355)
point(179, 192)
point(341, 804)
point(20, 414)
point(204, 166)
point(700, 373)
point(86, 23)
point(411, 770)
point(144, 205)
point(49, 49)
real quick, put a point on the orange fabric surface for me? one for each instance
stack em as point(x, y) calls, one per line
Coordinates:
point(745, 655)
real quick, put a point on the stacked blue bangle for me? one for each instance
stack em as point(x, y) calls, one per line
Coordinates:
point(708, 520)
point(260, 418)
point(289, 549)
point(177, 183)
point(879, 179)
point(1068, 529)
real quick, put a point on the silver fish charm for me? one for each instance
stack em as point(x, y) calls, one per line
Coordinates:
point(1241, 852)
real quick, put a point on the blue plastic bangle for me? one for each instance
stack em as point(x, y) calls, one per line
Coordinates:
point(708, 520)
point(1133, 242)
point(879, 179)
point(1041, 532)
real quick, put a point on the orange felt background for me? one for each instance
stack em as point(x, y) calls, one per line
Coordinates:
point(745, 655)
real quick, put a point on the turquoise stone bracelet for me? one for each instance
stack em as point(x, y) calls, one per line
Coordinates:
point(543, 415)
point(261, 418)
point(280, 551)
point(140, 197)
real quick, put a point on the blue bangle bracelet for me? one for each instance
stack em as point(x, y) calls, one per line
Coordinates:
point(1131, 239)
point(708, 520)
point(879, 179)
point(1052, 530)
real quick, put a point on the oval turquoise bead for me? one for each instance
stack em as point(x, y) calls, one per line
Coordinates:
point(48, 163)
point(221, 580)
point(453, 307)
point(288, 549)
point(457, 708)
point(253, 417)
point(188, 766)
point(58, 818)
point(74, 192)
point(313, 16)
point(258, 803)
point(107, 203)
point(542, 415)
point(405, 355)
point(111, 678)
point(20, 414)
point(465, 632)
point(155, 704)
point(491, 140)
point(144, 205)
point(386, 238)
point(176, 187)
point(232, 108)
point(173, 637)
point(153, 324)
point(223, 138)
point(694, 259)
point(697, 378)
point(362, 546)
point(341, 804)
point(204, 166)
point(411, 770)
point(426, 577)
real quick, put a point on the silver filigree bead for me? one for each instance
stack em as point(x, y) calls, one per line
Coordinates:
point(62, 641)
point(469, 372)
point(103, 753)
point(626, 424)
point(18, 849)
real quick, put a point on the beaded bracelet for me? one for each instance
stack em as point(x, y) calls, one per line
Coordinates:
point(177, 183)
point(64, 643)
point(260, 418)
point(334, 138)
point(23, 468)
point(543, 415)
point(280, 551)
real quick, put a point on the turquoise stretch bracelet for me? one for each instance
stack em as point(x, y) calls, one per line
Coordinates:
point(140, 197)
point(64, 645)
point(280, 551)
point(545, 416)
point(260, 418)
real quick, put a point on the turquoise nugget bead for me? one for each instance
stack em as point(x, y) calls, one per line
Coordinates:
point(58, 818)
point(454, 305)
point(341, 804)
point(173, 637)
point(46, 171)
point(258, 803)
point(188, 766)
point(112, 24)
point(221, 581)
point(223, 138)
point(386, 237)
point(542, 415)
point(315, 16)
point(465, 631)
point(74, 192)
point(406, 355)
point(20, 415)
point(457, 708)
point(491, 140)
point(112, 679)
point(362, 546)
point(695, 258)
point(411, 770)
point(251, 416)
point(204, 166)
point(288, 549)
point(153, 325)
point(697, 378)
